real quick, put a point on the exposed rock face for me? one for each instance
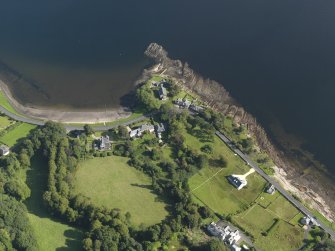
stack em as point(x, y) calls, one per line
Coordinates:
point(314, 186)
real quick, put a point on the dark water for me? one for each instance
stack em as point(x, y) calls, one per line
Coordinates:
point(276, 57)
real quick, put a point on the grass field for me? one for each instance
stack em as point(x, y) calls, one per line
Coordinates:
point(50, 233)
point(255, 220)
point(5, 122)
point(111, 182)
point(18, 132)
point(283, 208)
point(283, 237)
point(218, 193)
point(266, 199)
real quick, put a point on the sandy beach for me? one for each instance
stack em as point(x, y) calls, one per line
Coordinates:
point(65, 116)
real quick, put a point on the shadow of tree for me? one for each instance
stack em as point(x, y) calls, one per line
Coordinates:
point(37, 178)
point(73, 240)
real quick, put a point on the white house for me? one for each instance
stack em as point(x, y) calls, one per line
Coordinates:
point(224, 233)
point(4, 150)
point(237, 181)
point(271, 190)
point(233, 237)
point(235, 248)
point(162, 92)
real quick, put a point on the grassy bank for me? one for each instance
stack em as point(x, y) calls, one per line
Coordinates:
point(5, 104)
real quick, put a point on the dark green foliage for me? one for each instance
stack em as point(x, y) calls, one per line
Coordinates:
point(14, 222)
point(88, 130)
point(146, 96)
point(216, 245)
point(246, 145)
point(204, 212)
point(207, 149)
point(17, 189)
point(174, 90)
point(123, 132)
point(5, 241)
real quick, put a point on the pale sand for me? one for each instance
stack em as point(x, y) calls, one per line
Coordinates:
point(58, 115)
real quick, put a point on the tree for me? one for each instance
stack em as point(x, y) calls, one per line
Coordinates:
point(14, 220)
point(123, 132)
point(204, 212)
point(174, 90)
point(17, 189)
point(246, 144)
point(207, 149)
point(88, 130)
point(216, 245)
point(146, 96)
point(5, 241)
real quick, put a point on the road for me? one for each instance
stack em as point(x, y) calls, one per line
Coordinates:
point(72, 127)
point(288, 196)
point(251, 163)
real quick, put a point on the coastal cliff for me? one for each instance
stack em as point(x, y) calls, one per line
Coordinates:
point(300, 175)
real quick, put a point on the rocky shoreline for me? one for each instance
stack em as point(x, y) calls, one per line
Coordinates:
point(304, 178)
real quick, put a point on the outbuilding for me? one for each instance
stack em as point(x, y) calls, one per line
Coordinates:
point(4, 150)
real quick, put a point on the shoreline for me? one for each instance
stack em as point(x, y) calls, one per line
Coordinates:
point(313, 186)
point(64, 116)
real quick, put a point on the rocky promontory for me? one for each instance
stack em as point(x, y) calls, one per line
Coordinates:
point(314, 187)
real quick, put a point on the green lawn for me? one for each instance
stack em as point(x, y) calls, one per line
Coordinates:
point(283, 237)
point(5, 122)
point(50, 233)
point(17, 133)
point(111, 182)
point(218, 193)
point(266, 199)
point(255, 220)
point(296, 219)
point(283, 208)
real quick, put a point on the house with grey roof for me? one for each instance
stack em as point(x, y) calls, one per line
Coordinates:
point(196, 108)
point(183, 103)
point(105, 143)
point(237, 181)
point(162, 92)
point(138, 132)
point(160, 128)
point(271, 189)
